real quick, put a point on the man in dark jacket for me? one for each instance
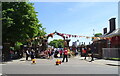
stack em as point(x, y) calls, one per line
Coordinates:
point(92, 52)
point(56, 53)
point(32, 54)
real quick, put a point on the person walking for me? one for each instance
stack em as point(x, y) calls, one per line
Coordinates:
point(65, 53)
point(61, 53)
point(49, 54)
point(27, 54)
point(92, 53)
point(85, 53)
point(32, 54)
point(56, 54)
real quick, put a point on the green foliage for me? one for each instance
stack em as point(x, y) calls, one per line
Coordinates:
point(97, 34)
point(20, 22)
point(11, 48)
point(57, 43)
point(17, 45)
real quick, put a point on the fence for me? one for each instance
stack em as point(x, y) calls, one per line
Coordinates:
point(111, 52)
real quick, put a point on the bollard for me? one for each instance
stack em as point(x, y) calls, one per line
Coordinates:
point(33, 61)
point(58, 61)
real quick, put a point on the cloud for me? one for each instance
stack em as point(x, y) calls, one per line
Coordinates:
point(80, 6)
point(70, 9)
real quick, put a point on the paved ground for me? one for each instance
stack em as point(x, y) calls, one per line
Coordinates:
point(75, 65)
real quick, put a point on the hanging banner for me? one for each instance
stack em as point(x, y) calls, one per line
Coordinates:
point(69, 36)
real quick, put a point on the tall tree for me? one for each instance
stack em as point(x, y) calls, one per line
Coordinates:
point(98, 34)
point(20, 22)
point(57, 43)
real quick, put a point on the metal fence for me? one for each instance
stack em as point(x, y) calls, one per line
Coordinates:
point(111, 52)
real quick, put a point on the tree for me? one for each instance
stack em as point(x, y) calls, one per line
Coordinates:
point(20, 22)
point(98, 34)
point(57, 43)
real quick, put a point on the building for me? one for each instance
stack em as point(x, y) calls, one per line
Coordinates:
point(106, 48)
point(113, 50)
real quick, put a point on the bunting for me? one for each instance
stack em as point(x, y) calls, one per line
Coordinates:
point(68, 36)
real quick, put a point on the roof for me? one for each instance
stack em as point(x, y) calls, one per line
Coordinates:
point(104, 35)
point(114, 33)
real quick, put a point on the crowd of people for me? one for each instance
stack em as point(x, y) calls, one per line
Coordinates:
point(49, 54)
point(88, 52)
point(59, 53)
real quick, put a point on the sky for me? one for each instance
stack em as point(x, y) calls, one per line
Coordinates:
point(76, 18)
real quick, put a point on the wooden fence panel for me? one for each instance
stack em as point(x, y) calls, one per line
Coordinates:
point(111, 52)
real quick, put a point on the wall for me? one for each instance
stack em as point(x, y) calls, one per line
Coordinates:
point(111, 52)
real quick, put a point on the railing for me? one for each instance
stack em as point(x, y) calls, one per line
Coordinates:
point(111, 52)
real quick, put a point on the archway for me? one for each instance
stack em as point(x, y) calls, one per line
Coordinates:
point(66, 40)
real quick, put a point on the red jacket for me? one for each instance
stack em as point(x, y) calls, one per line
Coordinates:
point(60, 51)
point(65, 52)
point(84, 51)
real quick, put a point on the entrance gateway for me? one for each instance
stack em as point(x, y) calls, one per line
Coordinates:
point(66, 40)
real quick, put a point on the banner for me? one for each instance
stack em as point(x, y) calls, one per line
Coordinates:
point(69, 36)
